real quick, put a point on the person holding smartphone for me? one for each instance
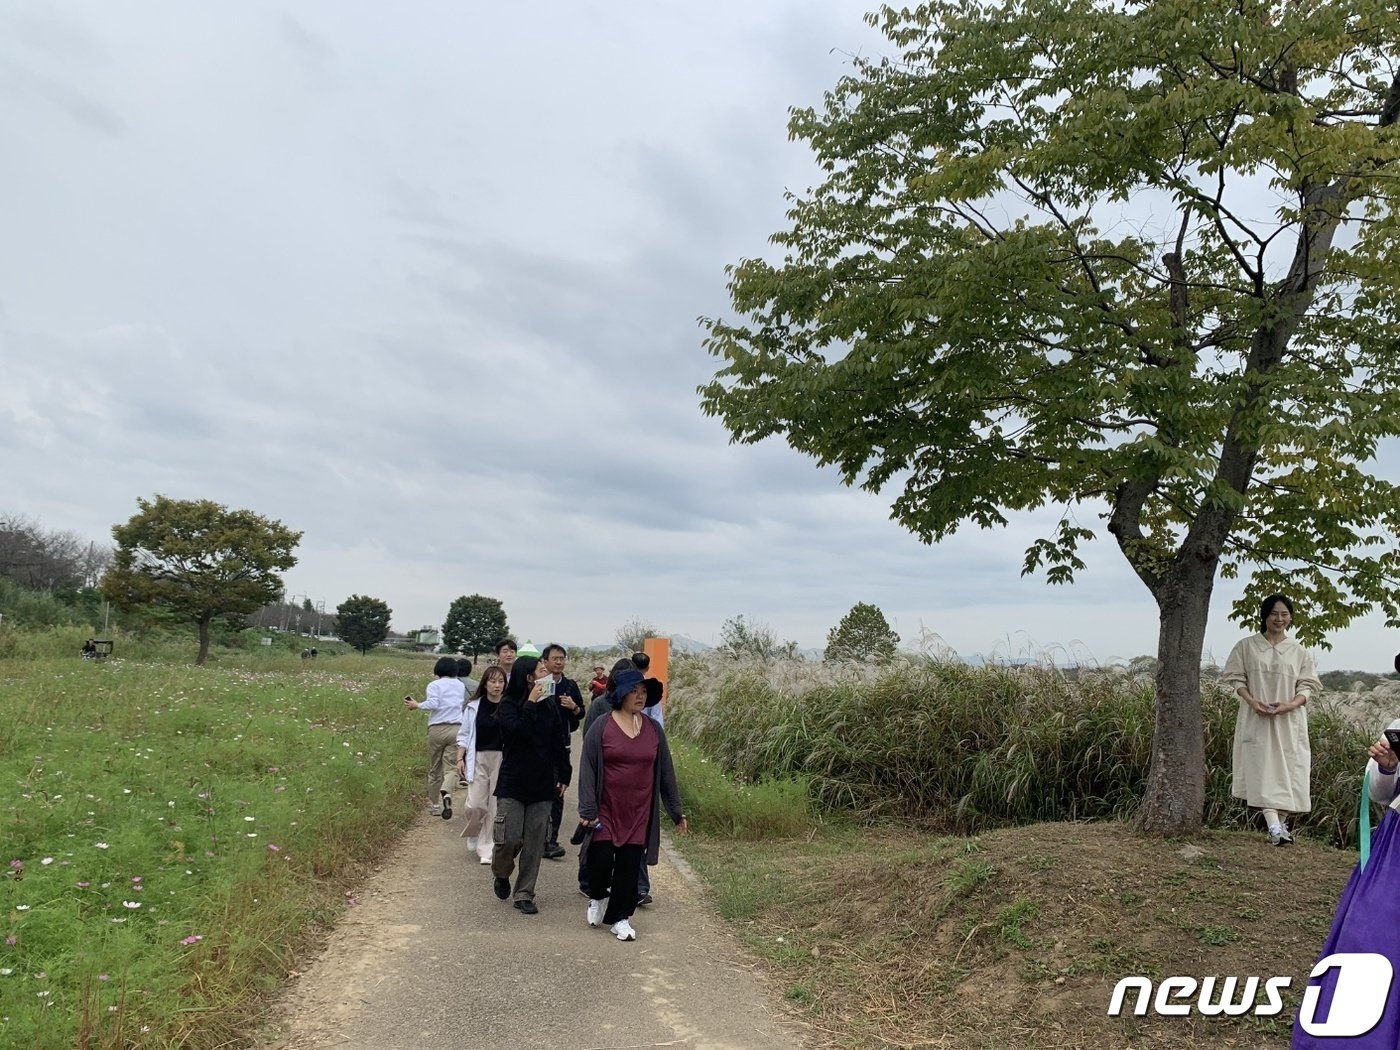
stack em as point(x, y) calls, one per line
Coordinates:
point(443, 701)
point(535, 770)
point(1274, 678)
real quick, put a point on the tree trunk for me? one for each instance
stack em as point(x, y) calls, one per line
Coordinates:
point(203, 641)
point(1174, 803)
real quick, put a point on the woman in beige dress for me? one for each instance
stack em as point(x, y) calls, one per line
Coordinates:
point(1274, 678)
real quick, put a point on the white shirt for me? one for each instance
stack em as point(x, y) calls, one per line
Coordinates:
point(444, 701)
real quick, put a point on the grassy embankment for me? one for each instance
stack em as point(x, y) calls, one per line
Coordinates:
point(175, 836)
point(937, 857)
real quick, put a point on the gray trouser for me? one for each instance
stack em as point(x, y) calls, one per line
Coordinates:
point(520, 828)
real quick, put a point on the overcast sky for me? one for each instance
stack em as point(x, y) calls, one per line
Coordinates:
point(422, 280)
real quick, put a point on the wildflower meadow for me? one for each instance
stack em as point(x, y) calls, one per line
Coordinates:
point(175, 835)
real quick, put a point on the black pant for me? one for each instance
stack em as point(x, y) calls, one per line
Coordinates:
point(612, 873)
point(556, 817)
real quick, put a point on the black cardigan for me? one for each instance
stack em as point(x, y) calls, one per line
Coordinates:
point(536, 755)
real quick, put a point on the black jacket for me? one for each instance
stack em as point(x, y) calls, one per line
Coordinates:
point(536, 755)
point(569, 687)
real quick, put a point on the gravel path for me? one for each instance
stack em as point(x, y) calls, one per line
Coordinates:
point(429, 957)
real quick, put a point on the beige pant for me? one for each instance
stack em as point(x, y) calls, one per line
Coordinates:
point(442, 761)
point(481, 801)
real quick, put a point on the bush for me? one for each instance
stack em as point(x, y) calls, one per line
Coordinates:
point(963, 748)
point(717, 804)
point(19, 606)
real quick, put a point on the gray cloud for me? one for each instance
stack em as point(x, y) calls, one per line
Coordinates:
point(422, 282)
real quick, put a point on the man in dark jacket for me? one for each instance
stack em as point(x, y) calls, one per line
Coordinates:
point(570, 699)
point(535, 771)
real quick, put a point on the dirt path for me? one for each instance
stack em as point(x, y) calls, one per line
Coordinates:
point(429, 957)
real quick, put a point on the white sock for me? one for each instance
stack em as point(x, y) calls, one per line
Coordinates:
point(1271, 818)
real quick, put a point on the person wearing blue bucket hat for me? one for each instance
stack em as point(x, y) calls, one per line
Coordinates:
point(624, 775)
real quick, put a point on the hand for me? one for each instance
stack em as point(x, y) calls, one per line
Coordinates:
point(682, 827)
point(567, 702)
point(536, 693)
point(410, 703)
point(560, 788)
point(1384, 756)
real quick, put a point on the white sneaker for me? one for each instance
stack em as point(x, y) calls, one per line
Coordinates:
point(471, 843)
point(595, 913)
point(486, 860)
point(622, 930)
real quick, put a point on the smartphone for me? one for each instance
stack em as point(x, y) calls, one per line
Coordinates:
point(1392, 737)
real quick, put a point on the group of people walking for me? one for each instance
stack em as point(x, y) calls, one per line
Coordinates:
point(513, 733)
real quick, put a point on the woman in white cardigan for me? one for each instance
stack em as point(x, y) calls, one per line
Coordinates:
point(479, 749)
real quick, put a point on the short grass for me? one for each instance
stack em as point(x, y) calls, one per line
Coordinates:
point(888, 936)
point(729, 807)
point(175, 835)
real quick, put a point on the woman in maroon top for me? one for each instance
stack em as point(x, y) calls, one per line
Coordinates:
point(625, 771)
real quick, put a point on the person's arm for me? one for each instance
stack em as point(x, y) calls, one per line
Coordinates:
point(511, 715)
point(1381, 770)
point(466, 743)
point(1235, 675)
point(1307, 685)
point(588, 775)
point(436, 696)
point(563, 769)
point(670, 792)
point(574, 717)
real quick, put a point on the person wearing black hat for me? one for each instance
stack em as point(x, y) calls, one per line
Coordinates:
point(624, 775)
point(534, 771)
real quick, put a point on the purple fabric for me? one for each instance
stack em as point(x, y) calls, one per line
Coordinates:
point(1367, 920)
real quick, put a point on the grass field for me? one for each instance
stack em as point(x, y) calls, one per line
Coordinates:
point(174, 835)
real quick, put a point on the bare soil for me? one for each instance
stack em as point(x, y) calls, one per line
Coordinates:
point(893, 938)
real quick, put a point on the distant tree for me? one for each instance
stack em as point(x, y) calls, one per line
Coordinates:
point(633, 633)
point(1145, 664)
point(863, 634)
point(364, 622)
point(198, 560)
point(473, 625)
point(739, 640)
point(307, 606)
point(44, 560)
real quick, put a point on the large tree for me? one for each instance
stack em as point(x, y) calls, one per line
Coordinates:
point(474, 624)
point(863, 634)
point(364, 622)
point(1132, 261)
point(199, 560)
